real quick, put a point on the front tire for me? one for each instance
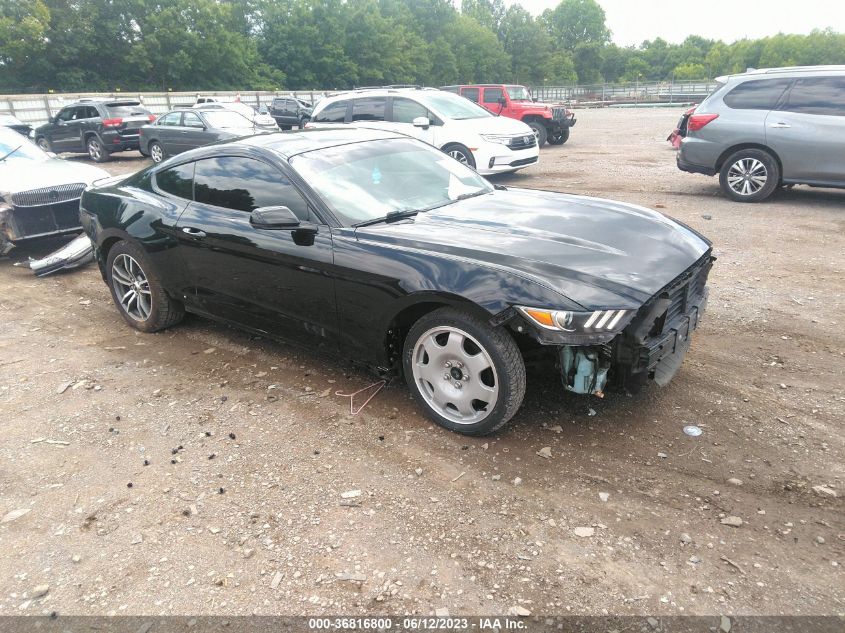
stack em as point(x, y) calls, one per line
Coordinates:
point(460, 153)
point(560, 137)
point(96, 151)
point(137, 291)
point(44, 144)
point(749, 175)
point(539, 131)
point(467, 376)
point(156, 152)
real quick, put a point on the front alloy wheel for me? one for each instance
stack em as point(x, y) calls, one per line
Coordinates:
point(468, 377)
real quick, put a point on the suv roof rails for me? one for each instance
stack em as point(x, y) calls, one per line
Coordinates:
point(793, 69)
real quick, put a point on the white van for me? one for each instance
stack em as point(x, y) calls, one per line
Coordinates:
point(464, 130)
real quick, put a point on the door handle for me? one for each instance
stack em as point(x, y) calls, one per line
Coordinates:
point(780, 125)
point(193, 232)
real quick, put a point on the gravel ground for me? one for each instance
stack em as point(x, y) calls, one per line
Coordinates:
point(204, 471)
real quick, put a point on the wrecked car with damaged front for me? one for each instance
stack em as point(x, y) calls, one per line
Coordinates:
point(379, 248)
point(39, 194)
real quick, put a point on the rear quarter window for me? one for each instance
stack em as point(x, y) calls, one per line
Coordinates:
point(332, 113)
point(759, 94)
point(177, 181)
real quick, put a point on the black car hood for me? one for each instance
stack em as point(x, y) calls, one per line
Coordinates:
point(598, 253)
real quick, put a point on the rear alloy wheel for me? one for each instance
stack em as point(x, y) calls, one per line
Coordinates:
point(460, 154)
point(539, 131)
point(467, 377)
point(44, 144)
point(137, 291)
point(749, 175)
point(156, 152)
point(96, 150)
point(303, 122)
point(560, 137)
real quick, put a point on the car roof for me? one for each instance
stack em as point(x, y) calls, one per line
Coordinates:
point(294, 142)
point(786, 71)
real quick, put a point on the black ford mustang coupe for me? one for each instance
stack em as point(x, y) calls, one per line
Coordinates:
point(380, 248)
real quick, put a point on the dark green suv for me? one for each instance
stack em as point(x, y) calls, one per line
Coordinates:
point(97, 127)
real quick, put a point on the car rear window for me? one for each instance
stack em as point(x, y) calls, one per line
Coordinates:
point(758, 94)
point(126, 109)
point(817, 95)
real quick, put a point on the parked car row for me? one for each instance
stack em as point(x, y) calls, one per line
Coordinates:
point(466, 131)
point(769, 128)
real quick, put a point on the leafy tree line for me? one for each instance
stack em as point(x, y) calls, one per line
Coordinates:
point(104, 45)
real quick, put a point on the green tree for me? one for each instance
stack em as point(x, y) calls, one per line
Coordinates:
point(577, 22)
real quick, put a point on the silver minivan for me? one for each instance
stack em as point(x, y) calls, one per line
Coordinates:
point(767, 128)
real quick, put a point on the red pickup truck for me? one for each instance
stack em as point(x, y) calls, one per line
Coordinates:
point(550, 122)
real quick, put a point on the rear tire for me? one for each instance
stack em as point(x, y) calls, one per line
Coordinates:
point(467, 376)
point(460, 153)
point(560, 137)
point(96, 150)
point(156, 152)
point(749, 175)
point(137, 290)
point(540, 132)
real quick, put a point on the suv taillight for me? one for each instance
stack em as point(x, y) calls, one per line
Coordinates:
point(112, 122)
point(152, 118)
point(698, 121)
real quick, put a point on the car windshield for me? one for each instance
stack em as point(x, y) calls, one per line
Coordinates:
point(451, 106)
point(226, 119)
point(17, 147)
point(367, 181)
point(519, 93)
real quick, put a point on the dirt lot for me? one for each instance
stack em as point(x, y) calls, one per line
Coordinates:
point(201, 470)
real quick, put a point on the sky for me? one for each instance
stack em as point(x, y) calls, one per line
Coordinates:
point(633, 21)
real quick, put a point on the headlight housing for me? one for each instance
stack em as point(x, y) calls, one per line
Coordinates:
point(610, 321)
point(495, 138)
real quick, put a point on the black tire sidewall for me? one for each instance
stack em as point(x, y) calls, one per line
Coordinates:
point(482, 334)
point(152, 324)
point(47, 147)
point(150, 150)
point(772, 169)
point(104, 155)
point(541, 132)
point(559, 138)
point(464, 150)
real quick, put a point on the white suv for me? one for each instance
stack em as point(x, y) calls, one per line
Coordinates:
point(461, 128)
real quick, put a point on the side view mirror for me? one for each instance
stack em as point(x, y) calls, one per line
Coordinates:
point(274, 218)
point(421, 121)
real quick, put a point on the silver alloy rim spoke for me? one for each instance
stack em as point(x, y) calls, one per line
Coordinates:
point(132, 286)
point(461, 397)
point(459, 156)
point(157, 154)
point(747, 176)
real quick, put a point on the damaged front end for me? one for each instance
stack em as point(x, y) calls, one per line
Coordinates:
point(625, 347)
point(78, 252)
point(39, 213)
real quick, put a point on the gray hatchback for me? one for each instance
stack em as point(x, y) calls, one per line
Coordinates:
point(767, 128)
